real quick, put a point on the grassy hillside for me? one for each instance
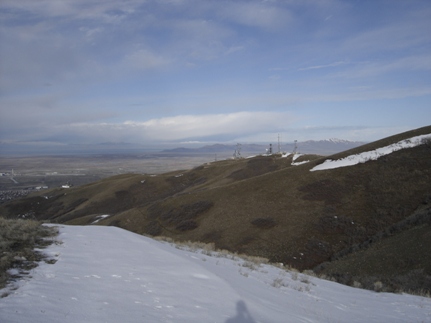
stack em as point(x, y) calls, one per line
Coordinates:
point(265, 206)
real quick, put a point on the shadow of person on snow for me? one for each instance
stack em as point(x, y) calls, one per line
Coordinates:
point(242, 314)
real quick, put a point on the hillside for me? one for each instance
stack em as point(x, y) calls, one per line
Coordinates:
point(352, 223)
point(106, 274)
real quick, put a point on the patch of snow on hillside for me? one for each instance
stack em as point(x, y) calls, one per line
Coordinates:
point(107, 274)
point(295, 157)
point(370, 155)
point(100, 217)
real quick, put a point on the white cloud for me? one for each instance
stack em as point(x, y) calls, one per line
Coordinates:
point(254, 14)
point(107, 11)
point(90, 33)
point(183, 127)
point(315, 67)
point(201, 126)
point(144, 59)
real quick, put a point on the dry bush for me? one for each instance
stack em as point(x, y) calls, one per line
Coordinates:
point(18, 238)
point(305, 279)
point(153, 228)
point(164, 238)
point(357, 284)
point(426, 141)
point(378, 286)
point(309, 272)
point(249, 264)
point(279, 282)
point(254, 259)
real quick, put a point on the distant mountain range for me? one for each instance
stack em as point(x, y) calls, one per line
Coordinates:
point(319, 147)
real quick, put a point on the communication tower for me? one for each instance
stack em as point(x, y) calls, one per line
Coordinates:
point(295, 149)
point(279, 144)
point(237, 153)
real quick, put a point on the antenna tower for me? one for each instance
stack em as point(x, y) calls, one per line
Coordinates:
point(295, 149)
point(279, 144)
point(237, 153)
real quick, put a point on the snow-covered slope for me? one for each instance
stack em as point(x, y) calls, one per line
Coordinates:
point(371, 155)
point(106, 274)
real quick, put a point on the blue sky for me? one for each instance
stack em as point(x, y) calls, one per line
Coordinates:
point(170, 72)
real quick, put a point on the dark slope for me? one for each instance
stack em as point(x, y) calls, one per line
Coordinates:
point(264, 206)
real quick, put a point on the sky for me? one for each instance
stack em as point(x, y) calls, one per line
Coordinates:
point(107, 274)
point(183, 72)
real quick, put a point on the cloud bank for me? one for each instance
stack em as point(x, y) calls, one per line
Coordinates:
point(176, 129)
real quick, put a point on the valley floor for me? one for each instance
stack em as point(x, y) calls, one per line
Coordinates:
point(106, 274)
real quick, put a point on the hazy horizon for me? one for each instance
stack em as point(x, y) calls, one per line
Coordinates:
point(129, 148)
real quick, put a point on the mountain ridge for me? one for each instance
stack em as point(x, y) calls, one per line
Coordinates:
point(325, 147)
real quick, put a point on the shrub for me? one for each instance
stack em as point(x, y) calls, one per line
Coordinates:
point(249, 264)
point(426, 141)
point(18, 238)
point(187, 225)
point(279, 282)
point(357, 284)
point(378, 286)
point(304, 279)
point(153, 228)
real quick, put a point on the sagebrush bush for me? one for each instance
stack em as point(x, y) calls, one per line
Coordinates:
point(18, 238)
point(378, 286)
point(279, 282)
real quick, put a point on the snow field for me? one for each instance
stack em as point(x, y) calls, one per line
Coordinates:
point(106, 274)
